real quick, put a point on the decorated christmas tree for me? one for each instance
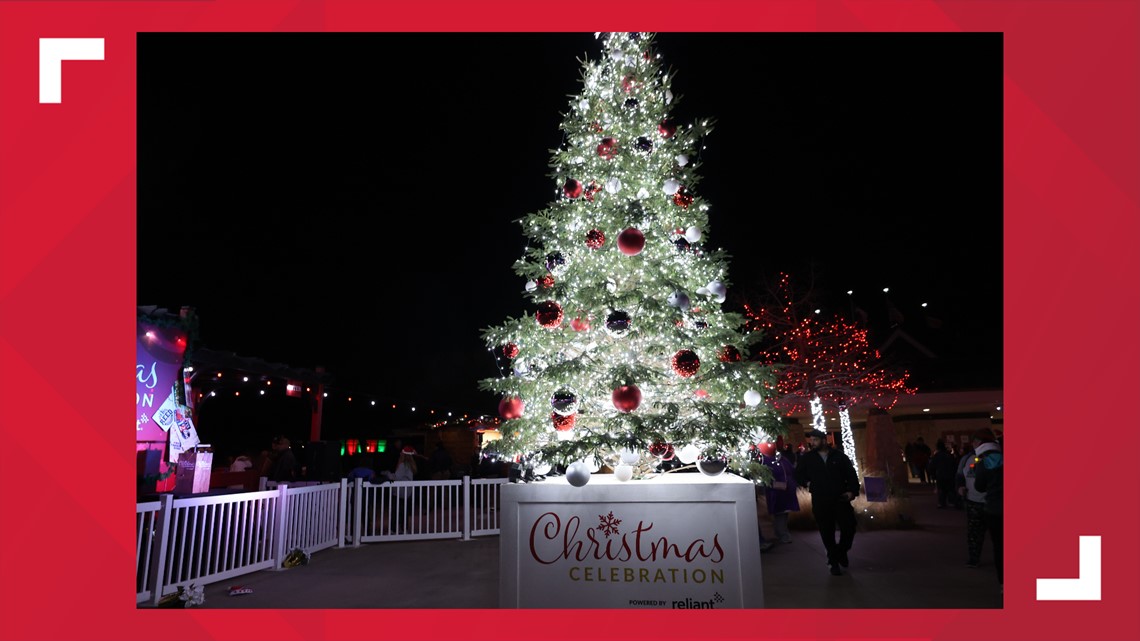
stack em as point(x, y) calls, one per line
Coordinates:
point(628, 356)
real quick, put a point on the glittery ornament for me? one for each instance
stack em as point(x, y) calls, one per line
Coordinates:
point(595, 238)
point(631, 241)
point(682, 198)
point(618, 323)
point(592, 190)
point(631, 103)
point(666, 128)
point(549, 314)
point(700, 324)
point(510, 350)
point(580, 324)
point(555, 262)
point(686, 363)
point(608, 148)
point(626, 398)
point(729, 354)
point(613, 185)
point(563, 423)
point(572, 188)
point(564, 402)
point(644, 144)
point(546, 282)
point(511, 407)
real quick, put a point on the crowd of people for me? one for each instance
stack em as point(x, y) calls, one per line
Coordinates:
point(970, 480)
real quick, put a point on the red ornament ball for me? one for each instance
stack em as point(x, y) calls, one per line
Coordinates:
point(631, 241)
point(511, 407)
point(549, 314)
point(663, 451)
point(767, 449)
point(592, 190)
point(595, 238)
point(682, 198)
point(572, 188)
point(546, 282)
point(580, 324)
point(729, 354)
point(666, 128)
point(608, 148)
point(626, 398)
point(563, 423)
point(510, 350)
point(686, 363)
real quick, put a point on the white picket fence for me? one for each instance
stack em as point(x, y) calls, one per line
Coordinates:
point(214, 538)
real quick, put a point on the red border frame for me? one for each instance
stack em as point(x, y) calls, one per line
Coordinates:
point(67, 273)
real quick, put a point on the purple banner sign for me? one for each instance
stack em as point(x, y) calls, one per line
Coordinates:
point(160, 351)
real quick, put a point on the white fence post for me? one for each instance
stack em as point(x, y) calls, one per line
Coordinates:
point(343, 506)
point(467, 515)
point(279, 522)
point(357, 509)
point(162, 533)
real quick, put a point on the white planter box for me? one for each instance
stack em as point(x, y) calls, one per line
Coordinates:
point(677, 541)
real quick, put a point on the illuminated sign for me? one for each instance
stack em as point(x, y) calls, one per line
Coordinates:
point(679, 541)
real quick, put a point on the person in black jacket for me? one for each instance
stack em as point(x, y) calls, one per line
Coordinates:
point(988, 475)
point(830, 477)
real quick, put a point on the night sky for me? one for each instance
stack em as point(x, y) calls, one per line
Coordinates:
point(348, 200)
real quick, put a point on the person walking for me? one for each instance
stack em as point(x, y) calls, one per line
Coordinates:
point(831, 479)
point(988, 473)
point(921, 453)
point(982, 442)
point(780, 496)
point(943, 468)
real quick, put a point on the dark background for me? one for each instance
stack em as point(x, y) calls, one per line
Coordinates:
point(348, 200)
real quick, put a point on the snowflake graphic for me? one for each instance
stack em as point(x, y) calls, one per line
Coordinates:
point(608, 524)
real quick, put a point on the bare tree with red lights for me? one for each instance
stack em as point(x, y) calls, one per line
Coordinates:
point(822, 365)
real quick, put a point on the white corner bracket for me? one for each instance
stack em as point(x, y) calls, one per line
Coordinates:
point(53, 51)
point(1086, 587)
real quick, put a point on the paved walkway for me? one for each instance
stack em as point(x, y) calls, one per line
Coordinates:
point(917, 568)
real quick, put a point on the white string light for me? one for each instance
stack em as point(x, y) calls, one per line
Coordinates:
point(848, 438)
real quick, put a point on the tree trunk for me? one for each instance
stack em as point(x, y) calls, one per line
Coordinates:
point(884, 454)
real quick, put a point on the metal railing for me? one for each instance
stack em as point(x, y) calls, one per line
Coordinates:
point(203, 540)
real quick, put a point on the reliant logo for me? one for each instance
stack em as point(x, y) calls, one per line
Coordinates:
point(694, 604)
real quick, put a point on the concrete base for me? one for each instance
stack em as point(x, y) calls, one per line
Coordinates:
point(677, 541)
